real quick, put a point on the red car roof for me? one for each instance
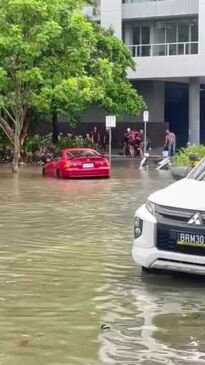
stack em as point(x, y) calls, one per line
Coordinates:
point(77, 149)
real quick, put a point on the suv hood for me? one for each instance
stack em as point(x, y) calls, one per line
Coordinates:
point(184, 194)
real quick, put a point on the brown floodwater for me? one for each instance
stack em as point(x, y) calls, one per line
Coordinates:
point(66, 269)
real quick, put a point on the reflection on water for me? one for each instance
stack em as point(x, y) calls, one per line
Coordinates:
point(66, 268)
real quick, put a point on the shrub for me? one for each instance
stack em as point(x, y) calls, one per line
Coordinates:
point(36, 148)
point(34, 143)
point(71, 141)
point(182, 156)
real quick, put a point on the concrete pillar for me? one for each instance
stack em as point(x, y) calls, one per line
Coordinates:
point(158, 102)
point(111, 15)
point(194, 110)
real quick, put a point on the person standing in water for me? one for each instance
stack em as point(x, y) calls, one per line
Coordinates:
point(95, 136)
point(170, 143)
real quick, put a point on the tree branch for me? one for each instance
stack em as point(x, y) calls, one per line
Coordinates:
point(7, 130)
point(9, 115)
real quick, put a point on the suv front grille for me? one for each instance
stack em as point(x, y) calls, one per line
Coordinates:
point(176, 215)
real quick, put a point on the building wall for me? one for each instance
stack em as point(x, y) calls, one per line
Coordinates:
point(153, 93)
point(156, 132)
point(169, 67)
point(111, 15)
point(153, 71)
point(167, 8)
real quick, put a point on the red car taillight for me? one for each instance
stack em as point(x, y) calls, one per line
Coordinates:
point(67, 165)
point(105, 163)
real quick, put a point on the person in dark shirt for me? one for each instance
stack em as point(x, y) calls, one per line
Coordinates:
point(125, 140)
point(104, 140)
point(95, 136)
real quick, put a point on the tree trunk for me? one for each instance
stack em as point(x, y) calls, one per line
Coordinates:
point(24, 133)
point(17, 149)
point(55, 126)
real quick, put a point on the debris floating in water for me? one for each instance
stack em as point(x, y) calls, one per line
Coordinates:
point(24, 340)
point(93, 314)
point(104, 327)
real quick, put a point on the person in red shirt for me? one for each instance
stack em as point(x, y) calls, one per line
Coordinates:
point(137, 139)
point(132, 142)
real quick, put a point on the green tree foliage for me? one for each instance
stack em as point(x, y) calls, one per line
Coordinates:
point(54, 60)
point(119, 96)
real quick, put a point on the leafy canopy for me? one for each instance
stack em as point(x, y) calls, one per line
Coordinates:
point(52, 57)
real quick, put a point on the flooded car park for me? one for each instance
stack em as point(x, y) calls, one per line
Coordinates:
point(66, 269)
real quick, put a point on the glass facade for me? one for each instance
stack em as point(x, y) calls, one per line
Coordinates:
point(163, 38)
point(141, 35)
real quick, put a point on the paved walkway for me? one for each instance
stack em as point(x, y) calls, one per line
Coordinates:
point(155, 154)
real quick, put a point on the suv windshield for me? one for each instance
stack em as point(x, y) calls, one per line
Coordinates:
point(81, 153)
point(198, 173)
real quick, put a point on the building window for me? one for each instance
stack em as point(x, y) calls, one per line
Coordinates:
point(171, 37)
point(160, 38)
point(141, 36)
point(163, 38)
point(194, 36)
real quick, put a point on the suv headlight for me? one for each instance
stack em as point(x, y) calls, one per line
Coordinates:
point(138, 223)
point(150, 207)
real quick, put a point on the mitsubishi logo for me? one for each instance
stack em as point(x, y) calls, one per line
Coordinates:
point(196, 219)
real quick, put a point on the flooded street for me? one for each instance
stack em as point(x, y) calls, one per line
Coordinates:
point(66, 269)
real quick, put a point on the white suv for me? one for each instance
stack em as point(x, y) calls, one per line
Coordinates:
point(169, 230)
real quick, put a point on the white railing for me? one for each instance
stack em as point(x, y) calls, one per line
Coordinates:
point(139, 1)
point(164, 49)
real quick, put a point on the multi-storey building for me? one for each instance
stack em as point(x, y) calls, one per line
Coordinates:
point(167, 40)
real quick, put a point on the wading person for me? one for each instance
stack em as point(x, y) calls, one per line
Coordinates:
point(170, 143)
point(125, 142)
point(132, 143)
point(89, 139)
point(95, 136)
point(105, 140)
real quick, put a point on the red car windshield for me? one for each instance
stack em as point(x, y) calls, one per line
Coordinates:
point(82, 153)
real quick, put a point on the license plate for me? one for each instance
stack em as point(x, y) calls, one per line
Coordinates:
point(88, 165)
point(190, 239)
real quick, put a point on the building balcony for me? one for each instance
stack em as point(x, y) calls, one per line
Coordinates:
point(139, 9)
point(164, 49)
point(178, 67)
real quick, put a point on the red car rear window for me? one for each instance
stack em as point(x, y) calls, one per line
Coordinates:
point(81, 153)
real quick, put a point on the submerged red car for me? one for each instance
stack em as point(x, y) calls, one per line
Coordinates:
point(77, 162)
